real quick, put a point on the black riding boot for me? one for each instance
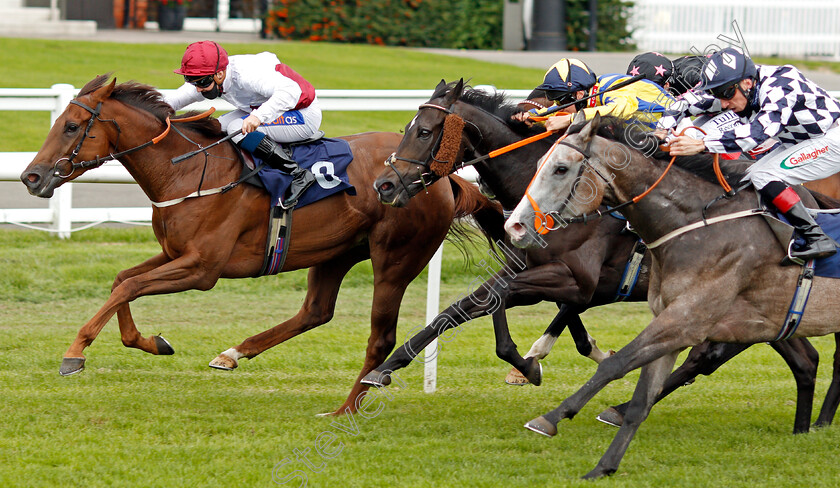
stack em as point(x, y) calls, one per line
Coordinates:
point(817, 244)
point(274, 156)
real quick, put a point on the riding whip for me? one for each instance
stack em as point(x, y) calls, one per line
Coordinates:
point(611, 88)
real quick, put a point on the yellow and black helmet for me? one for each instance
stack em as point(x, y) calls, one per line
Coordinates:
point(568, 75)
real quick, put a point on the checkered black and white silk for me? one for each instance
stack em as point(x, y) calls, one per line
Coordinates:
point(786, 105)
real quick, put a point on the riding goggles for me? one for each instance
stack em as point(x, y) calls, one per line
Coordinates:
point(199, 81)
point(561, 98)
point(725, 92)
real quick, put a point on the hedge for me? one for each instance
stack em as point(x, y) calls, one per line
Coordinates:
point(457, 24)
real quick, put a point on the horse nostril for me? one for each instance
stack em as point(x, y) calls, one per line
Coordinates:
point(386, 187)
point(31, 179)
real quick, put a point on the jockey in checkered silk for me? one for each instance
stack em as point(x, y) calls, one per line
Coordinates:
point(571, 79)
point(771, 101)
point(273, 103)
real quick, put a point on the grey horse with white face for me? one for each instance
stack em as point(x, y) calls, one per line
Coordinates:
point(720, 281)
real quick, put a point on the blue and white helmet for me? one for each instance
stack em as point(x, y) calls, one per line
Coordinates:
point(726, 67)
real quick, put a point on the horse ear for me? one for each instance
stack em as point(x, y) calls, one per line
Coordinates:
point(455, 93)
point(440, 85)
point(102, 93)
point(591, 128)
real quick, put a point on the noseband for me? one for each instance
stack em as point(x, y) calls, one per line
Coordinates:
point(70, 166)
point(544, 223)
point(429, 173)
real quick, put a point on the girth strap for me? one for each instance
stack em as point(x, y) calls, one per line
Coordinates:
point(631, 272)
point(797, 305)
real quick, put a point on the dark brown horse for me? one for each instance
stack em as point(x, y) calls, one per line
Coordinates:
point(718, 282)
point(577, 268)
point(223, 235)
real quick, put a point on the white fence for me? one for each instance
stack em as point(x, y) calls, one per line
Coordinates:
point(769, 27)
point(61, 215)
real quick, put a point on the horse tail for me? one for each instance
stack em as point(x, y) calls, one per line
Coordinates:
point(469, 202)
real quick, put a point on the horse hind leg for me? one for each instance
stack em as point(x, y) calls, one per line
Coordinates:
point(323, 283)
point(832, 397)
point(802, 359)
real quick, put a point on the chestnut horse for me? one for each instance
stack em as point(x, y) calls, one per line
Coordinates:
point(714, 277)
point(223, 234)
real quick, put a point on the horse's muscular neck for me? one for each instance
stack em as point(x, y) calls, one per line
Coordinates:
point(677, 201)
point(507, 175)
point(156, 175)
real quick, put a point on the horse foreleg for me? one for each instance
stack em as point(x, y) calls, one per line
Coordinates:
point(832, 397)
point(659, 338)
point(322, 285)
point(180, 274)
point(647, 389)
point(486, 299)
point(531, 368)
point(584, 342)
point(703, 359)
point(129, 334)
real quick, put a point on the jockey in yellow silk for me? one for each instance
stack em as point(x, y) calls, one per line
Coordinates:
point(570, 79)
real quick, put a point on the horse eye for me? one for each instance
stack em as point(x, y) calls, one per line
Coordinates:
point(70, 128)
point(423, 133)
point(561, 170)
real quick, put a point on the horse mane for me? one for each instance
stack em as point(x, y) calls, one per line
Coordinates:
point(637, 136)
point(495, 104)
point(147, 98)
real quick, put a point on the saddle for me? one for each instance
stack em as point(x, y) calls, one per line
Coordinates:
point(248, 160)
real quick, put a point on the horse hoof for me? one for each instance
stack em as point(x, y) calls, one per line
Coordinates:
point(328, 414)
point(598, 472)
point(516, 378)
point(223, 362)
point(536, 372)
point(376, 379)
point(164, 348)
point(71, 366)
point(611, 416)
point(541, 425)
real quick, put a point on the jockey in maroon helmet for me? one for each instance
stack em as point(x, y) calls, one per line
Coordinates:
point(273, 103)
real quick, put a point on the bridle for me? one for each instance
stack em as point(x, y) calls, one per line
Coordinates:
point(433, 175)
point(544, 223)
point(67, 163)
point(426, 165)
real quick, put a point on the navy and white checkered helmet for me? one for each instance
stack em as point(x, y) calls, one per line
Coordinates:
point(726, 67)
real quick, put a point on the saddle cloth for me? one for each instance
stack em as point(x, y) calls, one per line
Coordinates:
point(830, 222)
point(326, 158)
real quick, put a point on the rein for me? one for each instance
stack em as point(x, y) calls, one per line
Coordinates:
point(99, 161)
point(545, 222)
point(431, 173)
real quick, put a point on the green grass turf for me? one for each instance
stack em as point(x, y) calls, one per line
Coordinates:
point(132, 419)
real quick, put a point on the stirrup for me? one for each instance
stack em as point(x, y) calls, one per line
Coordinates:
point(308, 180)
point(789, 259)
